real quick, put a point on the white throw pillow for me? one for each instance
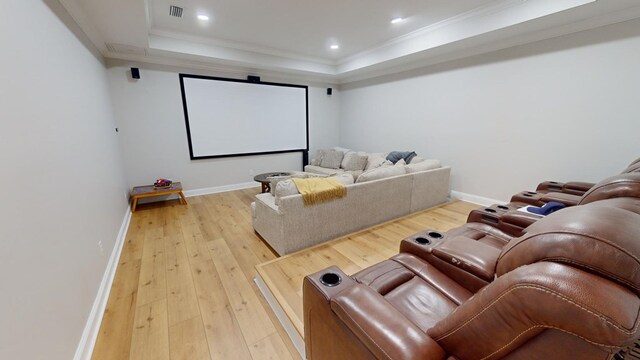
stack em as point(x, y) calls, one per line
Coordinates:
point(423, 166)
point(416, 159)
point(381, 173)
point(316, 161)
point(341, 149)
point(375, 160)
point(285, 188)
point(353, 161)
point(332, 159)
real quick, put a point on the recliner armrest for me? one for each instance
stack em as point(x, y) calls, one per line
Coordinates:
point(566, 199)
point(381, 328)
point(550, 186)
point(577, 187)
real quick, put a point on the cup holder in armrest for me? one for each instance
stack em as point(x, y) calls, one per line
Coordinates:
point(502, 207)
point(531, 193)
point(330, 279)
point(422, 240)
point(425, 240)
point(527, 195)
point(489, 210)
point(554, 182)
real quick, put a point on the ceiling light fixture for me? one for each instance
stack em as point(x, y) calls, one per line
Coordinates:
point(334, 47)
point(203, 17)
point(397, 20)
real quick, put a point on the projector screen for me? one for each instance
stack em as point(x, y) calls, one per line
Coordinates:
point(230, 117)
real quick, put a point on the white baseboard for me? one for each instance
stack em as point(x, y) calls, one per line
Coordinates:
point(296, 339)
point(92, 327)
point(219, 189)
point(480, 200)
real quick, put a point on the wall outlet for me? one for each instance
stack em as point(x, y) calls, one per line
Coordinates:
point(100, 247)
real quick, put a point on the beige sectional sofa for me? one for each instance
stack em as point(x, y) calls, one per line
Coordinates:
point(290, 226)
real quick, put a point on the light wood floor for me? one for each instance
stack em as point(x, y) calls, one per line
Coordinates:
point(184, 285)
point(283, 276)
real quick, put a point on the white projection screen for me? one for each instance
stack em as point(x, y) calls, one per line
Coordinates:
point(230, 117)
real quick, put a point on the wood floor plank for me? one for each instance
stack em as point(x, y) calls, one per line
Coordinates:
point(152, 285)
point(150, 340)
point(222, 330)
point(182, 300)
point(114, 338)
point(270, 348)
point(188, 340)
point(254, 322)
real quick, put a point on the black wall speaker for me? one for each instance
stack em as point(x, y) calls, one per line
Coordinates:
point(135, 73)
point(329, 91)
point(253, 79)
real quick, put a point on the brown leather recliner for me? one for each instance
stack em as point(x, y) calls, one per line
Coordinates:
point(568, 289)
point(627, 184)
point(500, 223)
point(578, 187)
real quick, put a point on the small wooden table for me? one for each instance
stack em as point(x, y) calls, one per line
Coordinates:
point(264, 179)
point(149, 190)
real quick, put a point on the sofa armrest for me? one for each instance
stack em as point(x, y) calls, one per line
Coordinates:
point(381, 328)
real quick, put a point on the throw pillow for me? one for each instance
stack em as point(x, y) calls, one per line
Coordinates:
point(423, 166)
point(394, 156)
point(353, 161)
point(274, 180)
point(318, 159)
point(344, 150)
point(332, 159)
point(381, 173)
point(416, 160)
point(285, 188)
point(375, 160)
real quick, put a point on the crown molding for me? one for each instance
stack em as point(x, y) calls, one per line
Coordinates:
point(238, 46)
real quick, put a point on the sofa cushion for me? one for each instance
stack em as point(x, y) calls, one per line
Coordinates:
point(423, 166)
point(381, 173)
point(332, 159)
point(375, 160)
point(316, 161)
point(354, 161)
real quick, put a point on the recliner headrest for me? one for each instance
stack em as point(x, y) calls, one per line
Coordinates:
point(631, 169)
point(623, 185)
point(599, 239)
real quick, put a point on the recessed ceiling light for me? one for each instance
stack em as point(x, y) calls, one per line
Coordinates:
point(397, 20)
point(203, 17)
point(334, 47)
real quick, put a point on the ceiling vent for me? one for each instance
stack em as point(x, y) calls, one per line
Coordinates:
point(175, 11)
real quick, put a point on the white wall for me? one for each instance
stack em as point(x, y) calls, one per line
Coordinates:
point(566, 109)
point(63, 185)
point(154, 140)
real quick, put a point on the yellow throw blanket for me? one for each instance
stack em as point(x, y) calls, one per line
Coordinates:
point(317, 190)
